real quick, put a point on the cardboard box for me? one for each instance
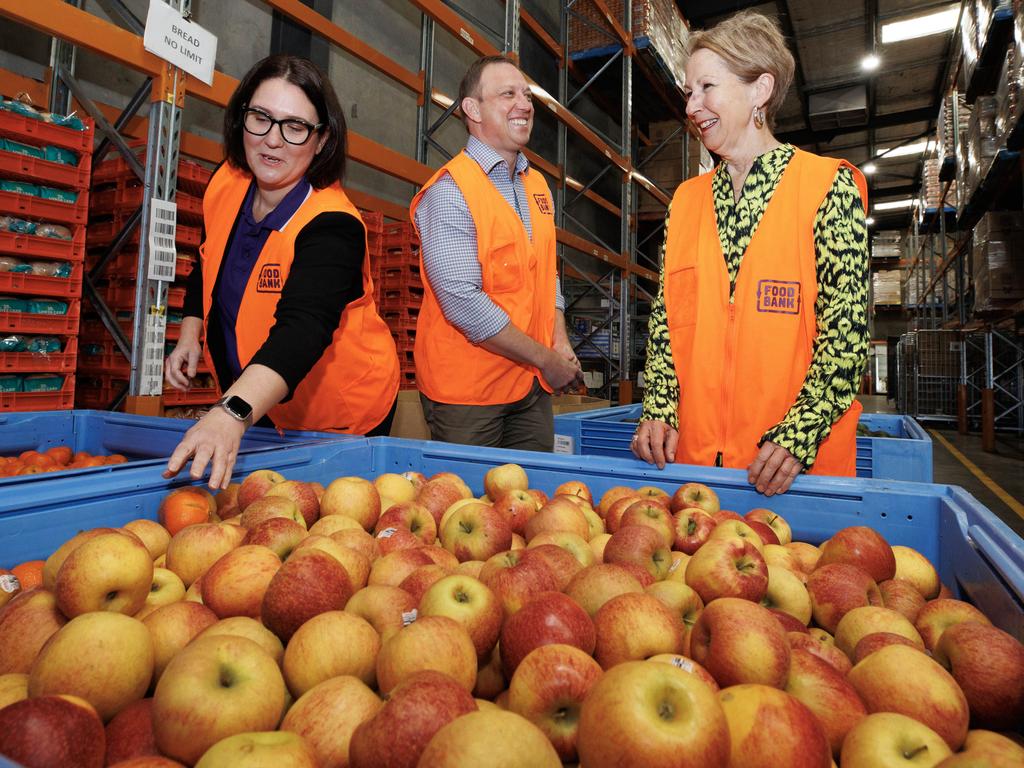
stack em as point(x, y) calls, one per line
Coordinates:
point(574, 403)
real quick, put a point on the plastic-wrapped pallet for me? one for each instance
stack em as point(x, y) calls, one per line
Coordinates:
point(998, 259)
point(657, 20)
point(887, 244)
point(886, 287)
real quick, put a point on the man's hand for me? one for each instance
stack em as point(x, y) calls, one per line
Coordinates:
point(655, 442)
point(773, 470)
point(560, 372)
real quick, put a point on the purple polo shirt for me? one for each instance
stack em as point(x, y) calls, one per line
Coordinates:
point(246, 243)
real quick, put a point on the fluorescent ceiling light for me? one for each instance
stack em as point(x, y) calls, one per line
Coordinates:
point(869, 168)
point(870, 221)
point(903, 150)
point(870, 63)
point(921, 26)
point(892, 205)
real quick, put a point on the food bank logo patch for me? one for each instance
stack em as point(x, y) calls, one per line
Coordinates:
point(781, 296)
point(543, 203)
point(269, 280)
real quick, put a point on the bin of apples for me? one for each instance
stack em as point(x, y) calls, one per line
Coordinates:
point(404, 622)
point(54, 459)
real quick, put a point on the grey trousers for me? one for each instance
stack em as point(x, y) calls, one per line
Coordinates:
point(526, 425)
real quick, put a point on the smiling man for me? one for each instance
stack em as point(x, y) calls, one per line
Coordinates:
point(491, 344)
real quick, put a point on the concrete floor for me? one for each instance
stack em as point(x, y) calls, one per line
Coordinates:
point(1005, 467)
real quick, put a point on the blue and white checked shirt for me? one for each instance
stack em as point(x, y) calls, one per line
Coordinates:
point(449, 249)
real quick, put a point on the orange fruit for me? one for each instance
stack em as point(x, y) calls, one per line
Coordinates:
point(81, 456)
point(61, 454)
point(29, 573)
point(93, 461)
point(39, 460)
point(116, 458)
point(183, 508)
point(28, 455)
point(30, 471)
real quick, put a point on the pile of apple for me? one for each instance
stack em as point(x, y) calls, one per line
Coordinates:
point(403, 622)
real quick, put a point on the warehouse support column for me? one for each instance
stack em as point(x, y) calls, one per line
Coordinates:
point(157, 226)
point(961, 389)
point(988, 409)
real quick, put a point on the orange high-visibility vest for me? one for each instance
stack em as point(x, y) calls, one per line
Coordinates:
point(741, 366)
point(518, 276)
point(352, 386)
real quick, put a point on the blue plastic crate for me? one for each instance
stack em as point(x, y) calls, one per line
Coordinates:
point(907, 455)
point(146, 440)
point(977, 555)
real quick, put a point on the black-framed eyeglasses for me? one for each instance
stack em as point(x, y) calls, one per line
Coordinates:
point(294, 131)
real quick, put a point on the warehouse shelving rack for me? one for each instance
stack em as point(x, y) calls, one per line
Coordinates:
point(611, 269)
point(990, 391)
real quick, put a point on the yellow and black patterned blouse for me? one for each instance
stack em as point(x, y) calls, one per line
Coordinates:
point(840, 349)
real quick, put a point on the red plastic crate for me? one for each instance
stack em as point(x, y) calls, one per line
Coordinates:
point(40, 401)
point(32, 247)
point(38, 209)
point(40, 133)
point(102, 233)
point(50, 325)
point(196, 396)
point(123, 198)
point(374, 221)
point(400, 324)
point(401, 235)
point(94, 332)
point(192, 177)
point(398, 258)
point(98, 392)
point(111, 362)
point(125, 265)
point(407, 380)
point(38, 285)
point(19, 167)
point(121, 296)
point(35, 362)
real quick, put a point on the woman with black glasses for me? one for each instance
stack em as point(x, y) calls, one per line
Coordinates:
point(282, 293)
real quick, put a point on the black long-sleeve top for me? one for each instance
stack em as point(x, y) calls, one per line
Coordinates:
point(326, 274)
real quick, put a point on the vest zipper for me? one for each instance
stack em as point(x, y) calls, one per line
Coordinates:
point(727, 381)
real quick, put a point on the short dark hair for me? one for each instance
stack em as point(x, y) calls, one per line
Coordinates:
point(470, 85)
point(328, 165)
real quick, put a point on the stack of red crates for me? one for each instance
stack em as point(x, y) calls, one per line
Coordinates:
point(44, 189)
point(398, 290)
point(116, 194)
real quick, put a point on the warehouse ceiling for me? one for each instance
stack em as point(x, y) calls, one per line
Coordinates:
point(836, 108)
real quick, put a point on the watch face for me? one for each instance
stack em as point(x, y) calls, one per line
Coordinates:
point(237, 407)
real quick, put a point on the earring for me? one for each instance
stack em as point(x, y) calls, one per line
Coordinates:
point(758, 117)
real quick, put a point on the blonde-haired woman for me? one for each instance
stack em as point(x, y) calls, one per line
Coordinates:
point(759, 332)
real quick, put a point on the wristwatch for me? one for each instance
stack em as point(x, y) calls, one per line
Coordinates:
point(236, 407)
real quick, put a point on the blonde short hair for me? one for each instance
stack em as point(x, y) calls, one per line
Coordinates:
point(751, 44)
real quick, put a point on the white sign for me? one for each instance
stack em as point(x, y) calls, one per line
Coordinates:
point(182, 43)
point(563, 444)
